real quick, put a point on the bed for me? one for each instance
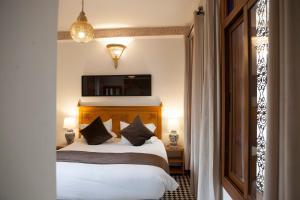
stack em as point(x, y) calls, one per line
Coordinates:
point(115, 181)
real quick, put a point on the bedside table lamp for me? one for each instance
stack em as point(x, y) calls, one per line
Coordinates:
point(69, 125)
point(173, 126)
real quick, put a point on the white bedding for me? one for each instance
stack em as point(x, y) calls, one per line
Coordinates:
point(119, 181)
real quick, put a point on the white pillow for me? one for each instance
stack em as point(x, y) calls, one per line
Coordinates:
point(124, 141)
point(152, 140)
point(107, 124)
point(150, 126)
point(111, 140)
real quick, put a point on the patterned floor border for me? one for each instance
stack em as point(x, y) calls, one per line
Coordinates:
point(183, 192)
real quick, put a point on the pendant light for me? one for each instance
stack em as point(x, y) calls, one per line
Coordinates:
point(81, 31)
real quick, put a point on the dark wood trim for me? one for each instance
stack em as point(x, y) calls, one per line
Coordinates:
point(233, 191)
point(241, 9)
point(235, 187)
point(247, 146)
point(222, 92)
point(230, 30)
point(248, 8)
point(250, 4)
point(234, 13)
point(223, 88)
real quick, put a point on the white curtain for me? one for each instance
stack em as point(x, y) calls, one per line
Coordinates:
point(187, 99)
point(283, 123)
point(202, 104)
point(196, 98)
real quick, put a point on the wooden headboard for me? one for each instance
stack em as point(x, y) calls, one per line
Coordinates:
point(148, 114)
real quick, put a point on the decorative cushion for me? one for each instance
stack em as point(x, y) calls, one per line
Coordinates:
point(137, 133)
point(96, 133)
point(123, 125)
point(107, 124)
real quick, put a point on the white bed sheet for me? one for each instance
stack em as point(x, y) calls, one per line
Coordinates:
point(79, 181)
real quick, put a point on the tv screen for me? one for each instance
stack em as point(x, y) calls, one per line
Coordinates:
point(116, 85)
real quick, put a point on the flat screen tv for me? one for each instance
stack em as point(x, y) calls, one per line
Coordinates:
point(116, 85)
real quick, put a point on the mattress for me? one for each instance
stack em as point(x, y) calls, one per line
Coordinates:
point(113, 181)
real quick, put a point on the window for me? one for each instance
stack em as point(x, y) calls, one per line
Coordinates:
point(244, 97)
point(259, 61)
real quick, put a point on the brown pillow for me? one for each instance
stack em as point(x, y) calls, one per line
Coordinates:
point(96, 133)
point(137, 133)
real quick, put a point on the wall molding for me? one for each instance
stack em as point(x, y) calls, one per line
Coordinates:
point(132, 32)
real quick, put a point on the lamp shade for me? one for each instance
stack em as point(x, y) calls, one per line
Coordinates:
point(69, 123)
point(173, 124)
point(116, 51)
point(81, 31)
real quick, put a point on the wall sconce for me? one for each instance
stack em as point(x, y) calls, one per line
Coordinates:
point(116, 51)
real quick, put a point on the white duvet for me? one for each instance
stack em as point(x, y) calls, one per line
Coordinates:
point(118, 181)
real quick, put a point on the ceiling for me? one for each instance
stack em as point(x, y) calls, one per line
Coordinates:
point(128, 13)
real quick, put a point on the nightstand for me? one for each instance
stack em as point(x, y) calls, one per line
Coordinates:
point(176, 159)
point(58, 147)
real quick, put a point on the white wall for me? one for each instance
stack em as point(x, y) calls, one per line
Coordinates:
point(162, 57)
point(27, 88)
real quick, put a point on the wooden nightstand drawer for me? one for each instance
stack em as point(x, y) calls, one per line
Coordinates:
point(176, 159)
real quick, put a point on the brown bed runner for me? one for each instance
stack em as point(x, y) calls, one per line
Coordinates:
point(112, 158)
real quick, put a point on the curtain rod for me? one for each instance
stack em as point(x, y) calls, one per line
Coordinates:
point(200, 11)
